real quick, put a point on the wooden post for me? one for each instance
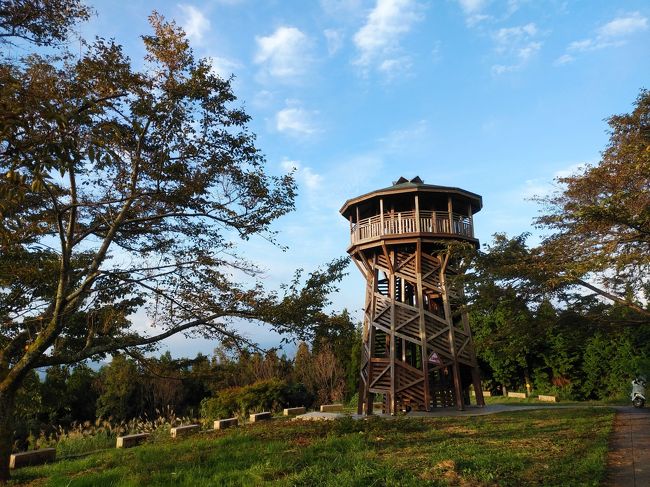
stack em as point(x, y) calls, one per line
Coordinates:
point(423, 330)
point(352, 239)
point(450, 210)
point(417, 213)
point(452, 343)
point(471, 221)
point(391, 282)
point(371, 335)
point(476, 378)
point(381, 215)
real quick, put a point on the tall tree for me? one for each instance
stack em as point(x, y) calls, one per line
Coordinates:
point(600, 224)
point(601, 218)
point(125, 189)
point(43, 22)
point(600, 228)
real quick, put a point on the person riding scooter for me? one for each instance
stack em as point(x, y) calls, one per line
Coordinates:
point(638, 392)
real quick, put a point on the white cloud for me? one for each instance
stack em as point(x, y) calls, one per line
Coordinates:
point(587, 45)
point(283, 55)
point(334, 40)
point(624, 26)
point(195, 24)
point(583, 45)
point(342, 8)
point(614, 33)
point(408, 138)
point(543, 187)
point(224, 67)
point(378, 40)
point(471, 6)
point(517, 44)
point(395, 68)
point(564, 59)
point(508, 35)
point(304, 175)
point(295, 121)
point(263, 99)
point(473, 11)
point(526, 52)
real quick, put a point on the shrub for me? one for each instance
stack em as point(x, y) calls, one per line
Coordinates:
point(268, 395)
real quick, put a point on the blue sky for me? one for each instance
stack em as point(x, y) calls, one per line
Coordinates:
point(496, 97)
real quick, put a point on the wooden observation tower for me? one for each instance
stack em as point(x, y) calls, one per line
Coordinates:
point(417, 345)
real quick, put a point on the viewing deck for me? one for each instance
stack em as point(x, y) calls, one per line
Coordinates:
point(428, 223)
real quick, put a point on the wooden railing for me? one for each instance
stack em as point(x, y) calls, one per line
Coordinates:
point(397, 223)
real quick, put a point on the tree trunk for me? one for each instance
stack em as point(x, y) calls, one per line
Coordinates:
point(6, 432)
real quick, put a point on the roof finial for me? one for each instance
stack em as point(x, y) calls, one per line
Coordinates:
point(402, 180)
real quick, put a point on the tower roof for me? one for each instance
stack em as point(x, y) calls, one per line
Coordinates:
point(415, 185)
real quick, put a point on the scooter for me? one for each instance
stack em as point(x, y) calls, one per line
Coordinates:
point(638, 392)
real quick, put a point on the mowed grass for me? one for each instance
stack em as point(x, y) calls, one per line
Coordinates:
point(562, 447)
point(533, 401)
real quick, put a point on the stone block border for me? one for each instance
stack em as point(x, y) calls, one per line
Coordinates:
point(34, 457)
point(294, 411)
point(547, 398)
point(254, 418)
point(331, 408)
point(131, 440)
point(485, 393)
point(179, 431)
point(520, 395)
point(222, 424)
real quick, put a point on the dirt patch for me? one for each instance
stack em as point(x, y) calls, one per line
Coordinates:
point(302, 441)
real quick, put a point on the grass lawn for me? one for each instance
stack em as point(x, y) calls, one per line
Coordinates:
point(562, 447)
point(533, 401)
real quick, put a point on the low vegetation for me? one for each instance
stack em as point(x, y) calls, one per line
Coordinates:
point(539, 447)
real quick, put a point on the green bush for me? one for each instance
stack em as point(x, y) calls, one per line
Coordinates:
point(270, 395)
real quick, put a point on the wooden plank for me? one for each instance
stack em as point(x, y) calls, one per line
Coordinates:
point(391, 281)
point(450, 210)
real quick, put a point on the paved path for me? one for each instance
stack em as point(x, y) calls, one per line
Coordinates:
point(628, 461)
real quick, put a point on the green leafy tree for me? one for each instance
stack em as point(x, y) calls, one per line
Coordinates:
point(54, 393)
point(601, 218)
point(339, 332)
point(123, 189)
point(600, 226)
point(43, 22)
point(81, 392)
point(121, 392)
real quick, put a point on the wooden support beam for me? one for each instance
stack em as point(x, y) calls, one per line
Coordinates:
point(423, 330)
point(417, 213)
point(450, 210)
point(452, 343)
point(392, 289)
